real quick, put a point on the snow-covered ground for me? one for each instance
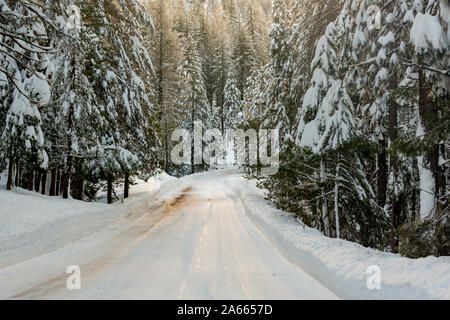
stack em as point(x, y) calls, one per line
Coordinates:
point(32, 224)
point(205, 236)
point(193, 242)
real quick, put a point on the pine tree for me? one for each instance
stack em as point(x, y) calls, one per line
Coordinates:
point(327, 125)
point(280, 108)
point(221, 61)
point(432, 59)
point(242, 54)
point(380, 107)
point(196, 89)
point(25, 88)
point(169, 86)
point(232, 102)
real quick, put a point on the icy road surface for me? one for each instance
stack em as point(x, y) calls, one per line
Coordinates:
point(195, 242)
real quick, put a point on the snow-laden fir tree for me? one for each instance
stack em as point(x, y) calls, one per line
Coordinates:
point(166, 51)
point(431, 46)
point(280, 110)
point(232, 101)
point(327, 125)
point(25, 87)
point(196, 93)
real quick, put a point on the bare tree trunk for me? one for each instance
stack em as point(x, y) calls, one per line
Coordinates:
point(77, 185)
point(44, 182)
point(126, 190)
point(382, 175)
point(438, 171)
point(9, 184)
point(22, 177)
point(79, 194)
point(53, 174)
point(81, 190)
point(395, 210)
point(415, 214)
point(66, 176)
point(444, 154)
point(222, 87)
point(336, 197)
point(193, 140)
point(31, 180)
point(58, 182)
point(37, 180)
point(109, 192)
point(443, 177)
point(326, 222)
point(17, 180)
point(69, 161)
point(166, 150)
point(258, 160)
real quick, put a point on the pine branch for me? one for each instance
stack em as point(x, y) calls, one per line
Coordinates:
point(16, 38)
point(13, 81)
point(25, 66)
point(427, 67)
point(21, 53)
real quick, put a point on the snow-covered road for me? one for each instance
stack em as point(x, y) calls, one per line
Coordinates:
point(196, 242)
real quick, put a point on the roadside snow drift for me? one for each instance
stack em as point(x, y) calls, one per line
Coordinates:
point(32, 224)
point(342, 265)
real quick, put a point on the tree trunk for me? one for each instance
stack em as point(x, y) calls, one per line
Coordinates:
point(193, 140)
point(109, 192)
point(58, 182)
point(222, 88)
point(395, 210)
point(17, 180)
point(52, 191)
point(258, 160)
point(382, 175)
point(31, 180)
point(44, 182)
point(166, 151)
point(444, 251)
point(22, 178)
point(430, 162)
point(443, 181)
point(37, 180)
point(69, 158)
point(77, 185)
point(80, 190)
point(438, 171)
point(326, 222)
point(160, 92)
point(336, 197)
point(414, 212)
point(9, 184)
point(66, 178)
point(126, 190)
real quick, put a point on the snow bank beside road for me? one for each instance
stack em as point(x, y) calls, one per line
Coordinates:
point(341, 265)
point(139, 188)
point(32, 224)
